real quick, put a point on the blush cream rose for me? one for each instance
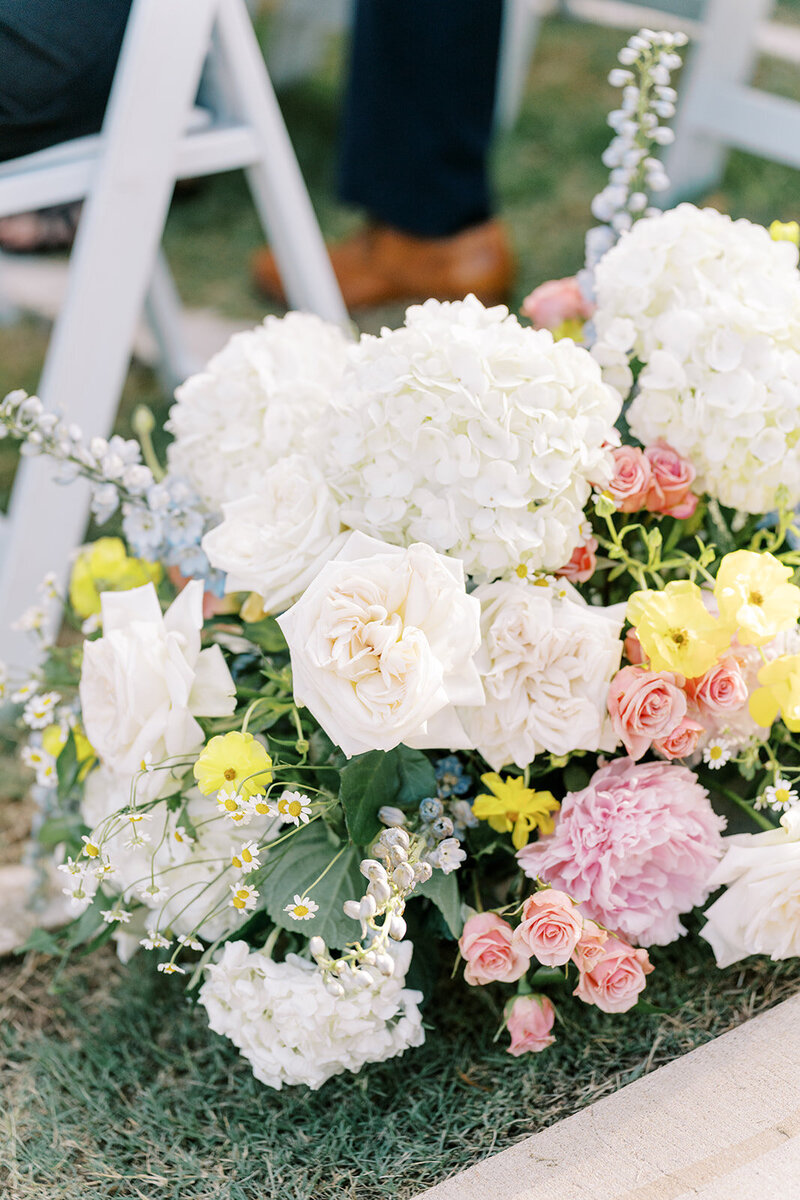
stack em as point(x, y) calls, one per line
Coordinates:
point(146, 679)
point(382, 645)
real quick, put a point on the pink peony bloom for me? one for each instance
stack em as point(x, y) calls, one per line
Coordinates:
point(644, 706)
point(582, 564)
point(550, 928)
point(671, 482)
point(682, 741)
point(633, 648)
point(635, 848)
point(615, 980)
point(633, 477)
point(487, 947)
point(590, 948)
point(557, 301)
point(529, 1020)
point(721, 690)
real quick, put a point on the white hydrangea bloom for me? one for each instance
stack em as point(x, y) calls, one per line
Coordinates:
point(473, 434)
point(256, 401)
point(183, 878)
point(546, 660)
point(711, 307)
point(292, 1030)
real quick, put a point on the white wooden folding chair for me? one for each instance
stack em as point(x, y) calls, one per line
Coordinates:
point(150, 138)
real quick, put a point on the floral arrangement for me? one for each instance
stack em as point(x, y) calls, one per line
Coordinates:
point(470, 632)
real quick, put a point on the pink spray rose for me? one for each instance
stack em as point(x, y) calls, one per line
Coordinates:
point(633, 477)
point(682, 741)
point(644, 706)
point(582, 564)
point(671, 482)
point(486, 944)
point(550, 928)
point(590, 948)
point(529, 1020)
point(556, 301)
point(633, 648)
point(721, 690)
point(635, 848)
point(616, 979)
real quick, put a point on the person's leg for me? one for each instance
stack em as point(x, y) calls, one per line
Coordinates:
point(58, 59)
point(417, 120)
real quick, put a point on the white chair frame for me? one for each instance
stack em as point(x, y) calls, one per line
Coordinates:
point(126, 175)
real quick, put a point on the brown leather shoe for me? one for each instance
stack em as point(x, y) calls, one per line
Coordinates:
point(380, 264)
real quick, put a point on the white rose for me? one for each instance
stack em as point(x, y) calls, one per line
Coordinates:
point(276, 542)
point(382, 645)
point(760, 911)
point(546, 660)
point(146, 679)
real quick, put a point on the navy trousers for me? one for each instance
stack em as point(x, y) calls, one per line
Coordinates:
point(417, 120)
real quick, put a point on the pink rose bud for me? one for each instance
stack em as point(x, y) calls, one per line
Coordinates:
point(486, 944)
point(616, 979)
point(671, 483)
point(632, 480)
point(550, 929)
point(682, 741)
point(582, 564)
point(721, 690)
point(529, 1020)
point(591, 947)
point(644, 706)
point(633, 648)
point(556, 301)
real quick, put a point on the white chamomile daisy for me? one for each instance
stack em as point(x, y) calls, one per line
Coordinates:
point(232, 805)
point(115, 913)
point(188, 942)
point(780, 795)
point(293, 808)
point(302, 909)
point(170, 968)
point(716, 754)
point(90, 848)
point(24, 692)
point(243, 897)
point(39, 710)
point(247, 859)
point(155, 941)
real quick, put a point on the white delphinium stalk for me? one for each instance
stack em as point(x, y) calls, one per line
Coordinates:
point(647, 63)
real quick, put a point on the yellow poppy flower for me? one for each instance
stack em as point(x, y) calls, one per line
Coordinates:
point(779, 693)
point(755, 596)
point(234, 761)
point(104, 566)
point(515, 809)
point(676, 630)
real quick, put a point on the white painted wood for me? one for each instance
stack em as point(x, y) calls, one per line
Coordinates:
point(521, 20)
point(152, 135)
point(717, 72)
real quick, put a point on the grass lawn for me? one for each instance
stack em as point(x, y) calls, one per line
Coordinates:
point(111, 1085)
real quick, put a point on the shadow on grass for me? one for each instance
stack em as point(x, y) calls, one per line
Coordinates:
point(116, 1088)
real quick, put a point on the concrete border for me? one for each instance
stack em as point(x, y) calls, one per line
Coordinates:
point(720, 1123)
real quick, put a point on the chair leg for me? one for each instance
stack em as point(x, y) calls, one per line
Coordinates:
point(111, 265)
point(521, 21)
point(164, 314)
point(725, 57)
point(279, 191)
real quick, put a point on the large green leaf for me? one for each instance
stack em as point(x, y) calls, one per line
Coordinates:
point(443, 891)
point(290, 870)
point(400, 777)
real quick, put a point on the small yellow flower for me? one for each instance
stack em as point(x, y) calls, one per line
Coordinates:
point(571, 328)
point(104, 566)
point(515, 809)
point(234, 761)
point(676, 630)
point(779, 693)
point(755, 596)
point(788, 231)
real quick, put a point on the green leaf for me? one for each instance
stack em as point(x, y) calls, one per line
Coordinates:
point(367, 782)
point(443, 891)
point(293, 867)
point(417, 777)
point(57, 830)
point(67, 767)
point(41, 941)
point(266, 634)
